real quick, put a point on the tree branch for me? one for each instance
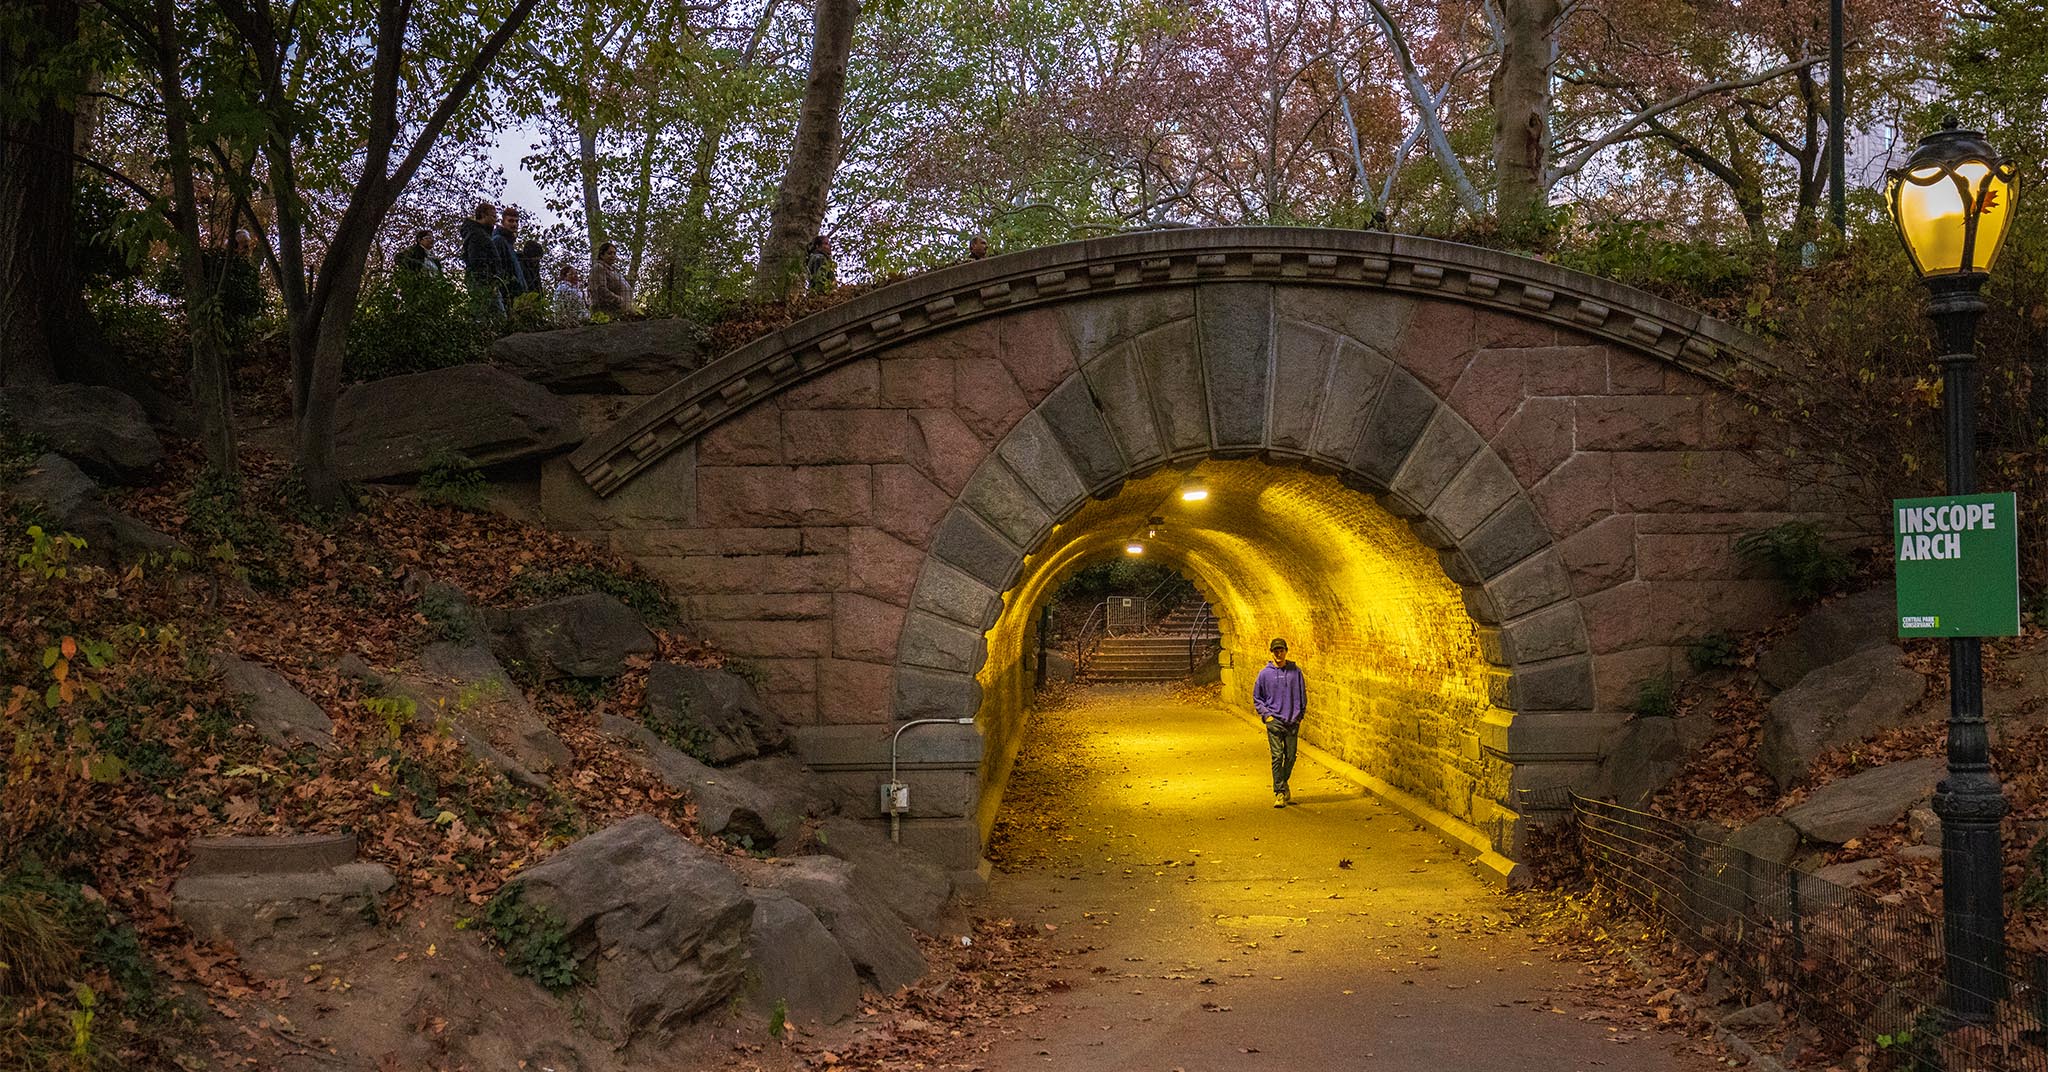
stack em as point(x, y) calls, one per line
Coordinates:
point(1577, 161)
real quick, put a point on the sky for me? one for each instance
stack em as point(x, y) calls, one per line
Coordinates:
point(520, 189)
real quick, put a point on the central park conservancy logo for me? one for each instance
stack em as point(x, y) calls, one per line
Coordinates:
point(1936, 532)
point(1920, 621)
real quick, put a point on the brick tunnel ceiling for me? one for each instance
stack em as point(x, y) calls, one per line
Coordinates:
point(1398, 684)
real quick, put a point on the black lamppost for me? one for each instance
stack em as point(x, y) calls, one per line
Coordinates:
point(1952, 202)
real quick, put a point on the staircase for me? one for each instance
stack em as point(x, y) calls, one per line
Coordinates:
point(1162, 655)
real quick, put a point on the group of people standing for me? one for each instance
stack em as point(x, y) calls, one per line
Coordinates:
point(499, 268)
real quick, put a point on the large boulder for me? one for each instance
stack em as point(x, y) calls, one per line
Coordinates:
point(634, 357)
point(1829, 634)
point(718, 713)
point(660, 926)
point(585, 635)
point(796, 964)
point(390, 429)
point(462, 687)
point(1845, 809)
point(1837, 705)
point(72, 503)
point(913, 887)
point(104, 431)
point(880, 944)
point(281, 714)
point(729, 805)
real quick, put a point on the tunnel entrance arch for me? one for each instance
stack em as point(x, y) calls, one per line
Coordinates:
point(1401, 682)
point(850, 502)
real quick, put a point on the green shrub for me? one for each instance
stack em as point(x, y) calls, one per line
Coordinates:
point(1797, 553)
point(647, 598)
point(530, 312)
point(534, 937)
point(416, 322)
point(53, 939)
point(1713, 652)
point(1655, 698)
point(1640, 253)
point(451, 479)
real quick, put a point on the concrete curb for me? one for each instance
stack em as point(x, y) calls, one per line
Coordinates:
point(1461, 835)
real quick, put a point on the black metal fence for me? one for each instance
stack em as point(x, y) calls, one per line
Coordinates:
point(1865, 972)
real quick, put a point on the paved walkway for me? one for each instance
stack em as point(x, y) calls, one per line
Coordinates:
point(1211, 932)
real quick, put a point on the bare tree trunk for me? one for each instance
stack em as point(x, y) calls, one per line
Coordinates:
point(593, 205)
point(814, 159)
point(212, 391)
point(36, 242)
point(1521, 115)
point(643, 192)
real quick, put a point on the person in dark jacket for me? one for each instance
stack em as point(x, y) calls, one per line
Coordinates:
point(1280, 696)
point(530, 255)
point(505, 255)
point(479, 261)
point(419, 258)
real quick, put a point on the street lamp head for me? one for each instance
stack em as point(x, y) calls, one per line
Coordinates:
point(1134, 547)
point(1952, 202)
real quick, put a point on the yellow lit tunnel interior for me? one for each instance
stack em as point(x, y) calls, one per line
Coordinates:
point(1397, 683)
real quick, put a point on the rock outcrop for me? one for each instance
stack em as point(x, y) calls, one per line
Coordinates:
point(1837, 705)
point(586, 635)
point(635, 357)
point(718, 712)
point(880, 944)
point(1829, 634)
point(796, 964)
point(71, 502)
point(729, 805)
point(462, 687)
point(660, 926)
point(104, 431)
point(913, 887)
point(391, 429)
point(281, 714)
point(1845, 809)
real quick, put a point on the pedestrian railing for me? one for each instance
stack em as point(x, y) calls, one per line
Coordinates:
point(1200, 642)
point(1866, 970)
point(1089, 640)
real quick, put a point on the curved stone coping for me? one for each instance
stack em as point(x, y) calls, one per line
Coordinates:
point(1376, 260)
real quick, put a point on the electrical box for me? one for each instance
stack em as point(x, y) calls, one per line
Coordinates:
point(895, 798)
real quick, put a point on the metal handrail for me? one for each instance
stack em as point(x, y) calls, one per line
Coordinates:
point(1195, 634)
point(1089, 640)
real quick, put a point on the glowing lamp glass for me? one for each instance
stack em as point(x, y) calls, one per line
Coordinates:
point(1134, 548)
point(1952, 203)
point(1194, 493)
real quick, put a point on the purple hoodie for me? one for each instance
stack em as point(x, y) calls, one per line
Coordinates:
point(1280, 694)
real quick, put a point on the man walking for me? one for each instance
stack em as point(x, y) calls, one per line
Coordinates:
point(1280, 696)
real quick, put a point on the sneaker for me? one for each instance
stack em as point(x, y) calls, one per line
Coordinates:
point(1287, 795)
point(1279, 800)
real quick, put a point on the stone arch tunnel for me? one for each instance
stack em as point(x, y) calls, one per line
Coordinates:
point(1491, 498)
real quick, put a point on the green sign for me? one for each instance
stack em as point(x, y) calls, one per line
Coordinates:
point(1958, 565)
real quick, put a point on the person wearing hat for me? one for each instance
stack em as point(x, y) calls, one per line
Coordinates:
point(1280, 696)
